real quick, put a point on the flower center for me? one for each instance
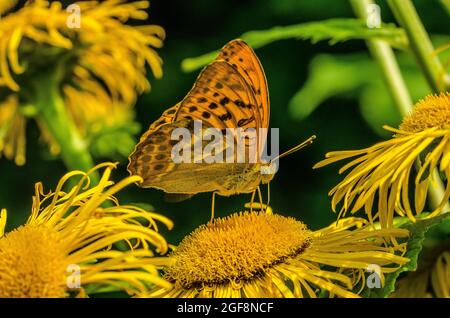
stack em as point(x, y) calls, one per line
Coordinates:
point(431, 112)
point(31, 263)
point(236, 248)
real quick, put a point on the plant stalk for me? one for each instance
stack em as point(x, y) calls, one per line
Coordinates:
point(446, 5)
point(385, 57)
point(420, 44)
point(54, 115)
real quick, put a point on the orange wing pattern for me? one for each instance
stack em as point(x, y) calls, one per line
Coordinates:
point(231, 92)
point(241, 56)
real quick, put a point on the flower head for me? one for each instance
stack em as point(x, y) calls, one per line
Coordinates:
point(252, 254)
point(431, 112)
point(95, 64)
point(67, 243)
point(384, 171)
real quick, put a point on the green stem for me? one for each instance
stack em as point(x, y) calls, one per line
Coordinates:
point(53, 113)
point(420, 43)
point(384, 56)
point(446, 5)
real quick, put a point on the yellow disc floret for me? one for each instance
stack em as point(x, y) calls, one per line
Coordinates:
point(431, 112)
point(236, 248)
point(31, 263)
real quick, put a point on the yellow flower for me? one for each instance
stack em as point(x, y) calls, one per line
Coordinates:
point(12, 131)
point(7, 5)
point(252, 254)
point(383, 171)
point(66, 244)
point(431, 279)
point(97, 66)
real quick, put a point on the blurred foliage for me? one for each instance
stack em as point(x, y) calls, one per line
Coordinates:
point(334, 80)
point(446, 4)
point(351, 76)
point(115, 143)
point(334, 30)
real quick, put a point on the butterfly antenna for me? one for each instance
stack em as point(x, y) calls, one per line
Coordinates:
point(305, 143)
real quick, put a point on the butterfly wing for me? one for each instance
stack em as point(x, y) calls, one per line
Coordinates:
point(221, 98)
point(153, 162)
point(241, 56)
point(225, 95)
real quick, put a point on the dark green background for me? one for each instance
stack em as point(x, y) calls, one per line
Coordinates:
point(200, 26)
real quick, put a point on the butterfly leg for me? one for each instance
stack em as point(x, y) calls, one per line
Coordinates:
point(259, 206)
point(268, 208)
point(252, 200)
point(212, 205)
point(263, 208)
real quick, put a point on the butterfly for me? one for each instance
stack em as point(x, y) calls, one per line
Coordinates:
point(231, 92)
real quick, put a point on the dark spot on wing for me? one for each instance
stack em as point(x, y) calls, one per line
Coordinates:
point(225, 116)
point(160, 138)
point(160, 156)
point(224, 101)
point(239, 103)
point(236, 87)
point(245, 121)
point(146, 158)
point(149, 148)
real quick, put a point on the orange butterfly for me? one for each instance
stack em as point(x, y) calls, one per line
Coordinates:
point(231, 92)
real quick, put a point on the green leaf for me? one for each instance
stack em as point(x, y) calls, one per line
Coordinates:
point(376, 107)
point(326, 74)
point(415, 244)
point(114, 143)
point(346, 76)
point(333, 30)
